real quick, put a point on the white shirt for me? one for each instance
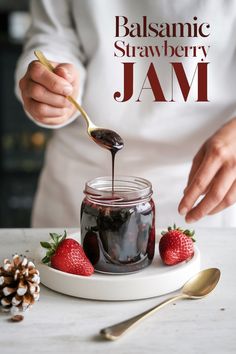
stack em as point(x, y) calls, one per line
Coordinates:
point(161, 138)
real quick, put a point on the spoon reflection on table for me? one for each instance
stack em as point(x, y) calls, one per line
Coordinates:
point(197, 287)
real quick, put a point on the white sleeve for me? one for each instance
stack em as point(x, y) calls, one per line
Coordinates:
point(52, 31)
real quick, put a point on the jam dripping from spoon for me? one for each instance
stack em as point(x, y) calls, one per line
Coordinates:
point(109, 140)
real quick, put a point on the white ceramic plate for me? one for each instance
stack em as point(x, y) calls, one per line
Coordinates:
point(155, 280)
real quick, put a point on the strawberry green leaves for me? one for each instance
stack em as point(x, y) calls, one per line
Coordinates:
point(52, 246)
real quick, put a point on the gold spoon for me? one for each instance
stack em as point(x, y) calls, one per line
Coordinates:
point(196, 287)
point(104, 137)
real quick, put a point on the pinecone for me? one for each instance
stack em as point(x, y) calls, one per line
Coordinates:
point(19, 284)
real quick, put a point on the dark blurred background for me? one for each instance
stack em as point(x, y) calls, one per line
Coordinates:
point(22, 142)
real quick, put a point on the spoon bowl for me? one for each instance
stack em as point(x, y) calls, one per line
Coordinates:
point(197, 287)
point(105, 138)
point(201, 284)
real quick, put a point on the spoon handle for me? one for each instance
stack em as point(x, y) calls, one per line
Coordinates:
point(43, 60)
point(115, 331)
point(81, 110)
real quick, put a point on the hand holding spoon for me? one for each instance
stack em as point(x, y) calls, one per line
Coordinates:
point(197, 287)
point(106, 138)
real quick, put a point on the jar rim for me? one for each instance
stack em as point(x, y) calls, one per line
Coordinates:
point(127, 190)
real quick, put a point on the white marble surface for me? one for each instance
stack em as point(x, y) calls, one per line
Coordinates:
point(63, 324)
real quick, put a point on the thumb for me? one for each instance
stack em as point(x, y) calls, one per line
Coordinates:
point(67, 71)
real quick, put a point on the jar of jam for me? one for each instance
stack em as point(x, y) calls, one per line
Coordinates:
point(118, 224)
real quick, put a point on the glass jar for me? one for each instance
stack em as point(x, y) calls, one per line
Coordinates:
point(118, 227)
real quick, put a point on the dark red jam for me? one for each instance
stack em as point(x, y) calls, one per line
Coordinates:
point(118, 239)
point(107, 138)
point(110, 140)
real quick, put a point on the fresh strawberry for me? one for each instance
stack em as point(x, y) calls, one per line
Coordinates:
point(176, 245)
point(66, 255)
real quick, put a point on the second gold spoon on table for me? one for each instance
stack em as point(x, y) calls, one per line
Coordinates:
point(197, 287)
point(106, 138)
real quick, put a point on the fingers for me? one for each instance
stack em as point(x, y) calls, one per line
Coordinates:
point(44, 93)
point(195, 165)
point(53, 121)
point(213, 174)
point(68, 72)
point(214, 196)
point(44, 110)
point(228, 200)
point(46, 114)
point(40, 94)
point(54, 83)
point(204, 173)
